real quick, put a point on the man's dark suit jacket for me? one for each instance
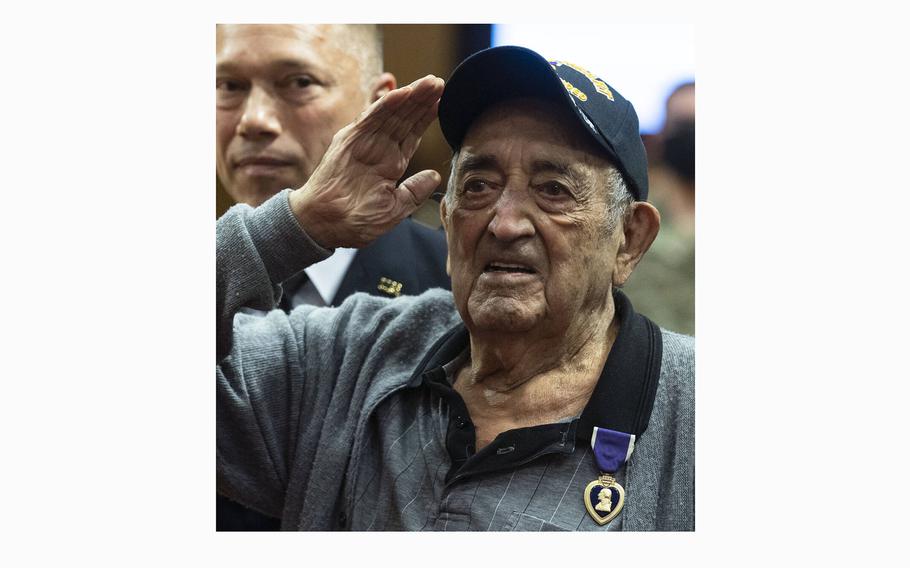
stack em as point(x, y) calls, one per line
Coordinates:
point(411, 255)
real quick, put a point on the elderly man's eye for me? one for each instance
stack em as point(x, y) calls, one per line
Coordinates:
point(553, 189)
point(475, 186)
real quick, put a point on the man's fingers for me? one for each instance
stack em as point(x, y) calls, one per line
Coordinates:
point(395, 114)
point(412, 140)
point(383, 109)
point(415, 190)
point(425, 93)
point(427, 88)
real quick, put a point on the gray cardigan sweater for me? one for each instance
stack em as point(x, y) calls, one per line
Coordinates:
point(322, 422)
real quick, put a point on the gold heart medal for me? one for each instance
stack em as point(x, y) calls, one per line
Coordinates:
point(604, 497)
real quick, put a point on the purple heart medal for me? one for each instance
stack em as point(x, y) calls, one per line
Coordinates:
point(604, 497)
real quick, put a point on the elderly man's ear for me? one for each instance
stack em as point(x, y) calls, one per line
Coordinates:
point(639, 230)
point(382, 85)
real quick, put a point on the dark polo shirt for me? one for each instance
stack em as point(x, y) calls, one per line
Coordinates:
point(426, 474)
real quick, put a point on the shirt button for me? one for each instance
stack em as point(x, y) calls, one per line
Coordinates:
point(460, 422)
point(342, 520)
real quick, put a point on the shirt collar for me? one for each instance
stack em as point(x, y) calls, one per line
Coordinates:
point(327, 274)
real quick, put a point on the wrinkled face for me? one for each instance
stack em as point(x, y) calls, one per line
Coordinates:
point(281, 94)
point(527, 224)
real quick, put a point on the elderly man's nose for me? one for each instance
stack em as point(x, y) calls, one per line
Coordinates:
point(260, 117)
point(510, 219)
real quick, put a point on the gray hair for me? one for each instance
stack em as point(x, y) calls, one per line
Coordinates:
point(365, 41)
point(620, 202)
point(618, 206)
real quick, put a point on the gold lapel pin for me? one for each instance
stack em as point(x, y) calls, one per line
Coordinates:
point(390, 287)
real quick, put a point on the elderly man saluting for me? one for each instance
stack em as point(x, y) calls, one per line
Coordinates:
point(531, 397)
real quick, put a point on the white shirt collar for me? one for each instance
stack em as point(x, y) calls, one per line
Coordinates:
point(327, 275)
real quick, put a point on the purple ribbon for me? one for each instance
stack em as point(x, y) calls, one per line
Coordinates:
point(611, 448)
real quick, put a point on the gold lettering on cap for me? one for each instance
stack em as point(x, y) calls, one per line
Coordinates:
point(574, 90)
point(601, 87)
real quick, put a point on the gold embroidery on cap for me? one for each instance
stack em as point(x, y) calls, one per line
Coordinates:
point(574, 90)
point(601, 87)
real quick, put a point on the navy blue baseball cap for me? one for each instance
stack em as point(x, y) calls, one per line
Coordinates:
point(509, 72)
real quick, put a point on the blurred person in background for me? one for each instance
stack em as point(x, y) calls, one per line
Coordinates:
point(663, 285)
point(282, 92)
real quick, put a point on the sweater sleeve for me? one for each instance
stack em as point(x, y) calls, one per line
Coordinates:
point(259, 375)
point(256, 249)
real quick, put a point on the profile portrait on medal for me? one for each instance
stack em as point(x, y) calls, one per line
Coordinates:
point(604, 500)
point(531, 395)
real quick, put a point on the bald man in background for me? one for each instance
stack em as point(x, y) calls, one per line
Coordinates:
point(282, 92)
